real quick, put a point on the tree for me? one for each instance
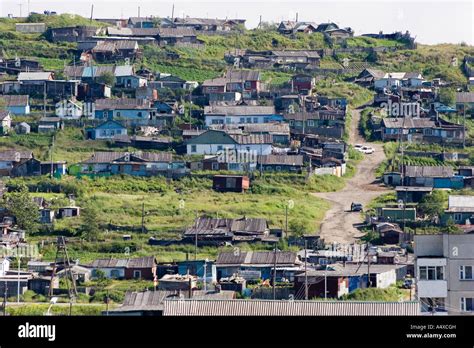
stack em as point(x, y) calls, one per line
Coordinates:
point(20, 204)
point(107, 78)
point(90, 229)
point(433, 205)
point(447, 96)
point(451, 227)
point(299, 227)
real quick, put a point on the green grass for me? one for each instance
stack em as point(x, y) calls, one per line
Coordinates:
point(40, 309)
point(356, 95)
point(119, 201)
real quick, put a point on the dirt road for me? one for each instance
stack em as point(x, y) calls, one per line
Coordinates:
point(340, 224)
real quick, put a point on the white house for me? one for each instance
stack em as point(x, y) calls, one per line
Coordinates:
point(4, 266)
point(238, 114)
point(398, 79)
point(214, 142)
point(68, 109)
point(5, 122)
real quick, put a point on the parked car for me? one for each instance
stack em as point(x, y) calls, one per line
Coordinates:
point(364, 148)
point(356, 206)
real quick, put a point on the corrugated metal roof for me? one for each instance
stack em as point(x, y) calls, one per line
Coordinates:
point(143, 32)
point(458, 203)
point(122, 103)
point(236, 110)
point(141, 262)
point(15, 156)
point(256, 258)
point(4, 114)
point(288, 308)
point(243, 75)
point(215, 226)
point(249, 139)
point(35, 76)
point(109, 157)
point(123, 70)
point(296, 53)
point(288, 160)
point(408, 122)
point(176, 32)
point(428, 171)
point(153, 300)
point(465, 97)
point(15, 100)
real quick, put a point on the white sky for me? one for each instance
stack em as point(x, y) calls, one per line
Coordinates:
point(430, 21)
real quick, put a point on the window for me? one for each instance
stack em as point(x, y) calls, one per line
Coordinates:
point(431, 272)
point(193, 148)
point(219, 148)
point(137, 274)
point(139, 114)
point(215, 166)
point(249, 119)
point(242, 120)
point(467, 304)
point(465, 273)
point(115, 273)
point(255, 120)
point(458, 217)
point(292, 123)
point(135, 167)
point(228, 120)
point(118, 113)
point(310, 123)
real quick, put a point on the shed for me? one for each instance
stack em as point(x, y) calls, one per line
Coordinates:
point(230, 183)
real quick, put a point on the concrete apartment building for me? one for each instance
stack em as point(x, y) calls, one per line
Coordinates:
point(444, 269)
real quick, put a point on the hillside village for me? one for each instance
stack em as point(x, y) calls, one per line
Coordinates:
point(149, 159)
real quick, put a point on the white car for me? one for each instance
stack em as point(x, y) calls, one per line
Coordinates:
point(367, 149)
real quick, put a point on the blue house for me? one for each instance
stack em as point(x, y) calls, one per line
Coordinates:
point(197, 267)
point(126, 108)
point(137, 164)
point(16, 104)
point(107, 130)
point(253, 265)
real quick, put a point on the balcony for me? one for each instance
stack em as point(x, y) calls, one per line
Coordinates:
point(432, 288)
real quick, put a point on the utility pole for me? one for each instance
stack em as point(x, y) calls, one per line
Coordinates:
point(326, 282)
point(172, 12)
point(205, 275)
point(369, 281)
point(143, 216)
point(5, 293)
point(92, 12)
point(19, 262)
point(305, 269)
point(44, 99)
point(196, 237)
point(274, 271)
point(51, 157)
point(286, 219)
point(464, 126)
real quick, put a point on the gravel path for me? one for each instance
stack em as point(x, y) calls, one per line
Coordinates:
point(340, 224)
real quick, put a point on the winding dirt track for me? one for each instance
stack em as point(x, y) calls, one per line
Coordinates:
point(340, 224)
